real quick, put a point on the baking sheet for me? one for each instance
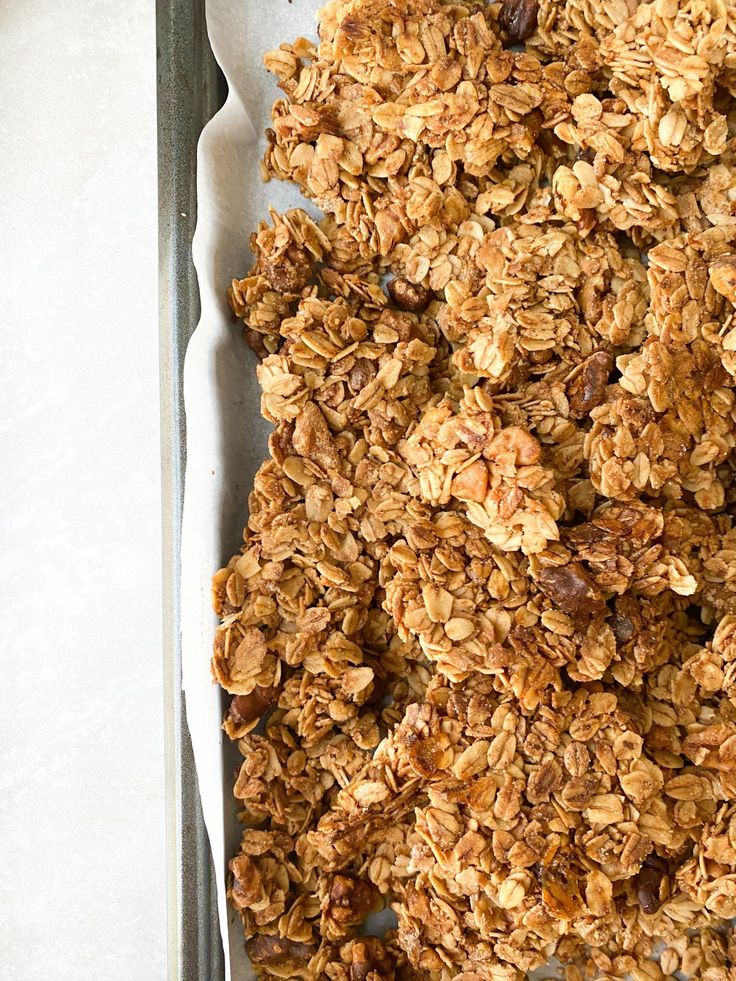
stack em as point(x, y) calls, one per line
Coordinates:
point(226, 436)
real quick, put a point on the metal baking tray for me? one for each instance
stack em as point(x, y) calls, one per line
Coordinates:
point(191, 89)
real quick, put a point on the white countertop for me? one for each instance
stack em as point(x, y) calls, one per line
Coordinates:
point(82, 889)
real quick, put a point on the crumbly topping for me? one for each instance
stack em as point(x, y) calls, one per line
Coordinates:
point(481, 633)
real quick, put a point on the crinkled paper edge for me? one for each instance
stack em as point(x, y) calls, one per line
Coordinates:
point(226, 436)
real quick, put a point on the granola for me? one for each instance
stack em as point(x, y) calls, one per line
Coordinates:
point(481, 633)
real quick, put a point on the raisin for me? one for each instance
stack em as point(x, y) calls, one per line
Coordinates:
point(256, 342)
point(519, 19)
point(571, 590)
point(649, 883)
point(246, 708)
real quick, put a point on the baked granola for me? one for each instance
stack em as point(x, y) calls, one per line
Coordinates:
point(481, 633)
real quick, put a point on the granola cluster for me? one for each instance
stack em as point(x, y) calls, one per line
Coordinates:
point(481, 634)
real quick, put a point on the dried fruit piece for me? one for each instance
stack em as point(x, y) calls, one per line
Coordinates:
point(257, 343)
point(570, 588)
point(519, 19)
point(649, 883)
point(246, 708)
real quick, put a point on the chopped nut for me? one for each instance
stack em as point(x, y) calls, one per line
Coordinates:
point(348, 903)
point(409, 296)
point(370, 961)
point(471, 484)
point(288, 272)
point(313, 439)
point(362, 372)
point(274, 951)
point(588, 388)
point(247, 886)
point(517, 443)
point(723, 277)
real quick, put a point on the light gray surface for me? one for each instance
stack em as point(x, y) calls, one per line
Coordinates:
point(81, 777)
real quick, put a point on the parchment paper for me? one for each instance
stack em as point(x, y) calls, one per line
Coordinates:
point(226, 436)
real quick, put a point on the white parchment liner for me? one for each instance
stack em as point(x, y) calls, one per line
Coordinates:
point(226, 436)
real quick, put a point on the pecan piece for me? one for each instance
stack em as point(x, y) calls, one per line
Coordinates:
point(247, 887)
point(519, 19)
point(569, 587)
point(276, 951)
point(722, 274)
point(363, 371)
point(313, 439)
point(588, 388)
point(409, 296)
point(348, 903)
point(370, 959)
